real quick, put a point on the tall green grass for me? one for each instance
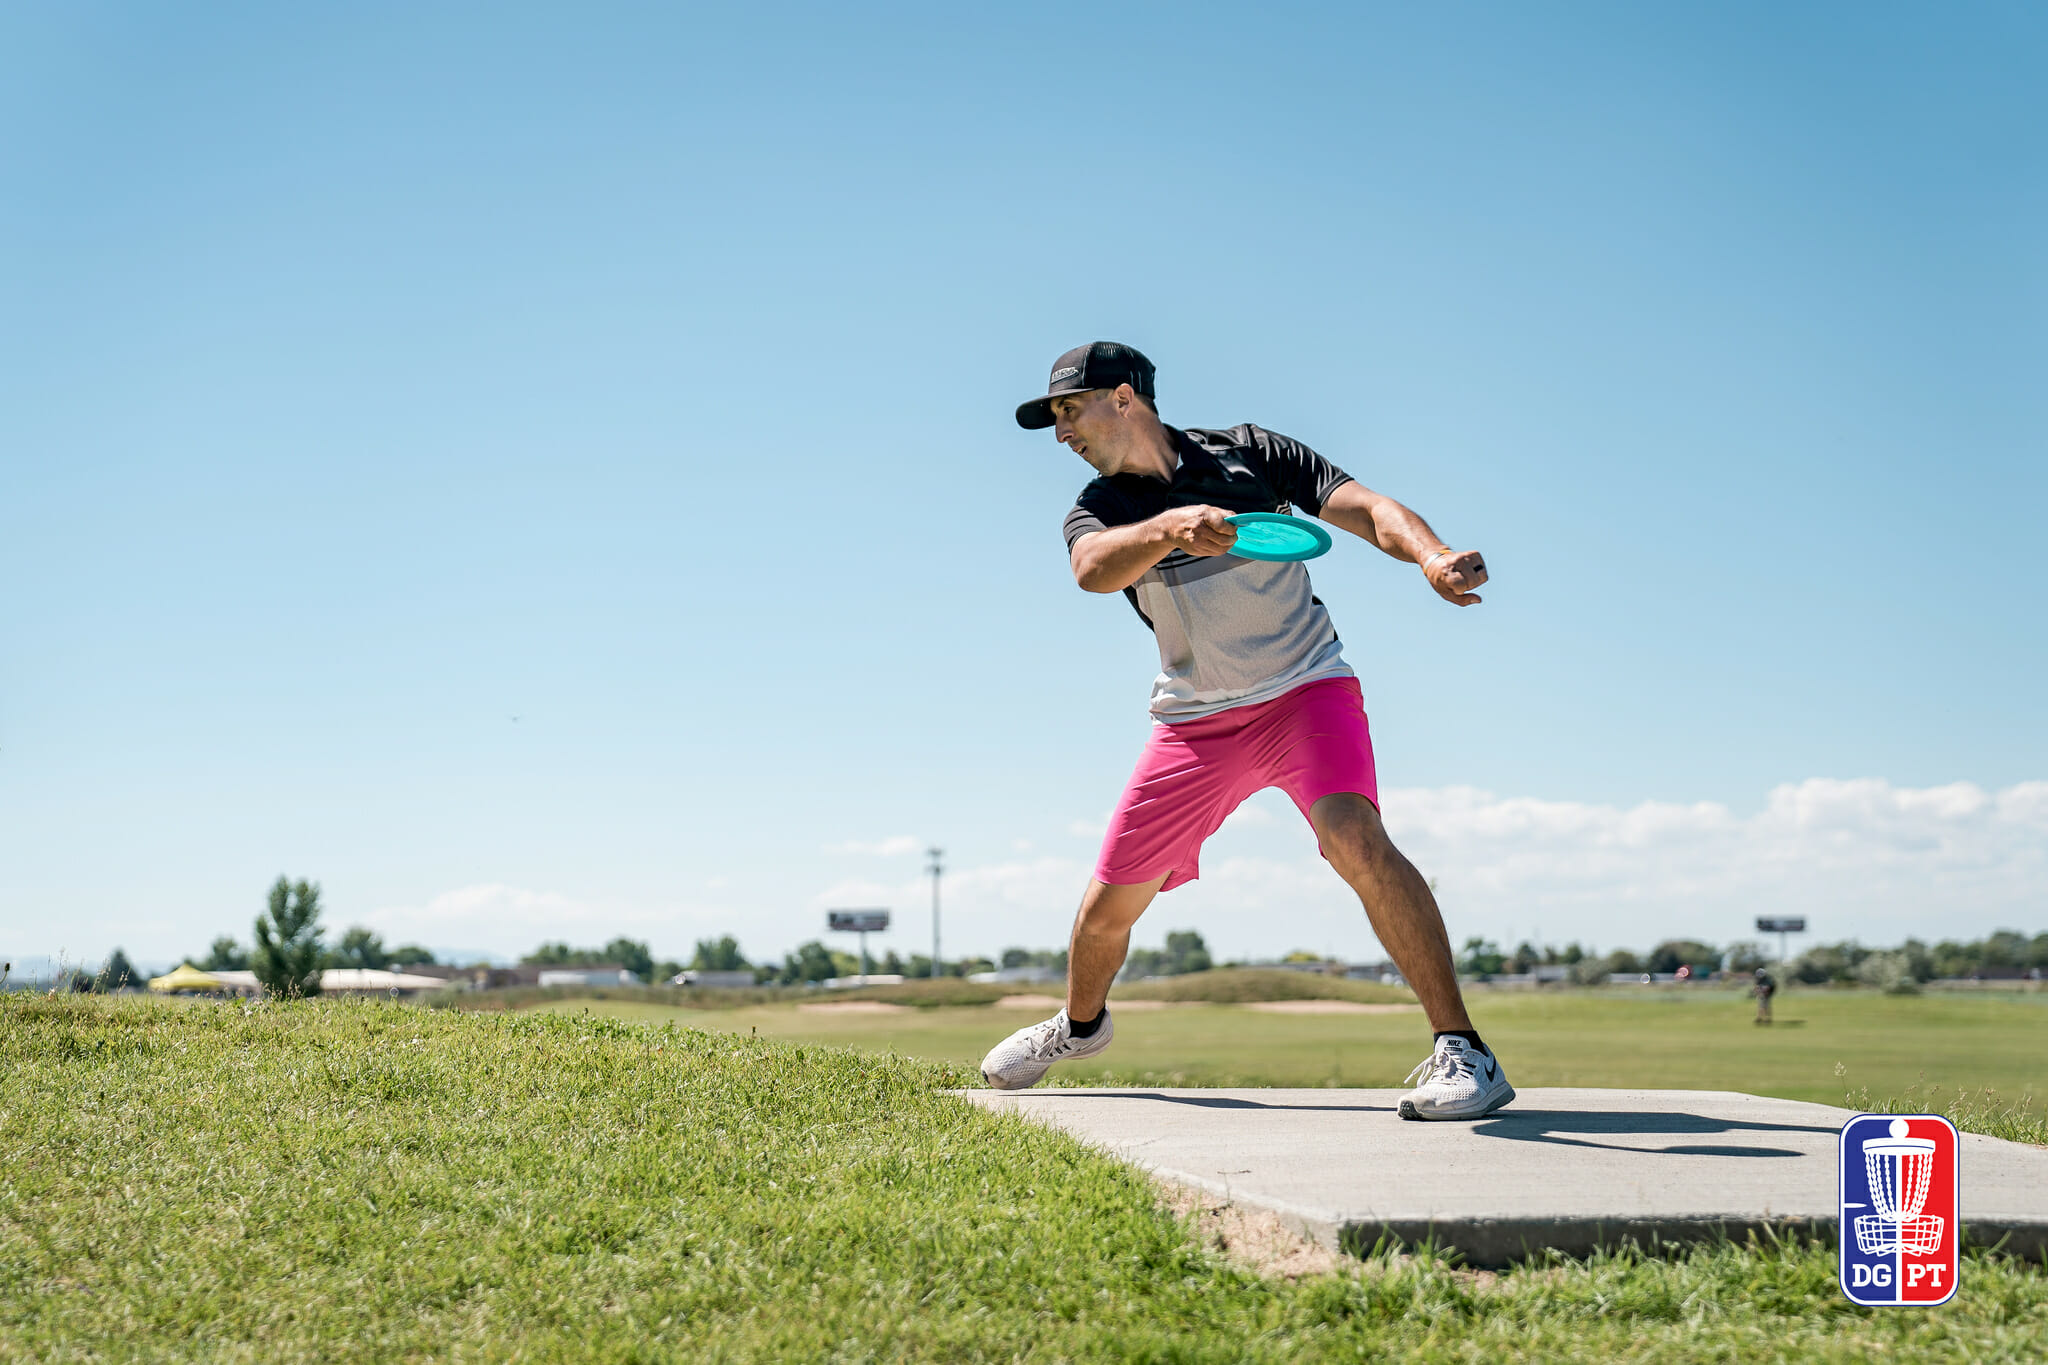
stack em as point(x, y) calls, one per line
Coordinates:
point(326, 1180)
point(2012, 1117)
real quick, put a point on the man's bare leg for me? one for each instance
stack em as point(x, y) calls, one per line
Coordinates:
point(1101, 940)
point(1397, 901)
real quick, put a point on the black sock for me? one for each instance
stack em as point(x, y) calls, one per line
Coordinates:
point(1084, 1028)
point(1469, 1036)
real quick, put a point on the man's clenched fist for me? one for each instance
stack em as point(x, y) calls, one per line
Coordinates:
point(1455, 574)
point(1199, 531)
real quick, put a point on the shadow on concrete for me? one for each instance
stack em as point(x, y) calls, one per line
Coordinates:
point(1219, 1102)
point(1550, 1126)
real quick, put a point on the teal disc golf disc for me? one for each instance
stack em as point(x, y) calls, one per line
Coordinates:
point(1277, 536)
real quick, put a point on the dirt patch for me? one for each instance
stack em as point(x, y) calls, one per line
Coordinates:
point(1328, 1007)
point(1252, 1238)
point(854, 1007)
point(1132, 1006)
point(1030, 1002)
point(1260, 1242)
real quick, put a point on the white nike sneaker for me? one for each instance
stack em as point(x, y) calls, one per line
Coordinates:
point(1021, 1060)
point(1459, 1081)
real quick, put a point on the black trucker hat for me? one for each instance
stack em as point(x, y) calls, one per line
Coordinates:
point(1098, 365)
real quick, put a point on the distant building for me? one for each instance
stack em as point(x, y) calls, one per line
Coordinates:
point(341, 981)
point(238, 983)
point(1008, 976)
point(714, 981)
point(847, 983)
point(364, 981)
point(586, 976)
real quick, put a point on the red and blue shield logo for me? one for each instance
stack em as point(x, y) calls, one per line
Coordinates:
point(1900, 1226)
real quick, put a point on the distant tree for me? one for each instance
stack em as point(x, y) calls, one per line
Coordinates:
point(1016, 957)
point(1140, 963)
point(1829, 962)
point(1302, 955)
point(2004, 949)
point(665, 970)
point(810, 962)
point(1622, 960)
point(1952, 959)
point(411, 955)
point(360, 948)
point(892, 965)
point(969, 966)
point(117, 974)
point(1590, 970)
point(718, 955)
point(287, 954)
point(845, 964)
point(1891, 973)
point(1481, 957)
point(226, 955)
point(1672, 954)
point(918, 966)
point(1523, 958)
point(631, 954)
point(1745, 957)
point(1185, 953)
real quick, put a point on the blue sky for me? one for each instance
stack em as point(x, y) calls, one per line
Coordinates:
point(547, 471)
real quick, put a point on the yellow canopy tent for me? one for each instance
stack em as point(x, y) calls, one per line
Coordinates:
point(186, 978)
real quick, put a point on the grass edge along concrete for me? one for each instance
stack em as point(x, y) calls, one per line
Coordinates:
point(369, 1181)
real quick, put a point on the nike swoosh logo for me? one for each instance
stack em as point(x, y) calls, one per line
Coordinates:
point(1492, 1069)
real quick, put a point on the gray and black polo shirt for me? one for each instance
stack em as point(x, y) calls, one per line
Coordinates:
point(1231, 631)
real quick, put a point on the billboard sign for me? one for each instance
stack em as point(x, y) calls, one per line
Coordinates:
point(857, 921)
point(1794, 925)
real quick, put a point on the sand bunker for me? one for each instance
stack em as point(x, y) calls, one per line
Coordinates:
point(1328, 1007)
point(854, 1007)
point(1029, 1002)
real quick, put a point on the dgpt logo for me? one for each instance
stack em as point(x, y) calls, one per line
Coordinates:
point(1899, 1226)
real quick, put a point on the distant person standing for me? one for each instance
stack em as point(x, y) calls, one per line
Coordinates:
point(1763, 990)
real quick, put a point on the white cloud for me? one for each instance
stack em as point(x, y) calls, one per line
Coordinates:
point(1861, 857)
point(1251, 813)
point(894, 846)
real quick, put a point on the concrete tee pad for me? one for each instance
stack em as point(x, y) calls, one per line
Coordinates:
point(1569, 1170)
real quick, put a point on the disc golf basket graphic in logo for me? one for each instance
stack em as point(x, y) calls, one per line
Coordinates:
point(1899, 1169)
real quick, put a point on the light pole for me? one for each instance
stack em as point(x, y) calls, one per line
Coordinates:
point(937, 867)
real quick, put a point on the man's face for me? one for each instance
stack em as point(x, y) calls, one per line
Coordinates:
point(1091, 425)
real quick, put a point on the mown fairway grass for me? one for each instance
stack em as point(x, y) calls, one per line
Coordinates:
point(1842, 1043)
point(325, 1182)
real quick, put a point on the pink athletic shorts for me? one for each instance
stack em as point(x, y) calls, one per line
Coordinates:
point(1310, 743)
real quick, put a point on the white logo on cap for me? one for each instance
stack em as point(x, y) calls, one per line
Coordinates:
point(1067, 373)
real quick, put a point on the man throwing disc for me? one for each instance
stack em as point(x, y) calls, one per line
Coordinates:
point(1253, 692)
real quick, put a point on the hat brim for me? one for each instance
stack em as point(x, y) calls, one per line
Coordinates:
point(1036, 415)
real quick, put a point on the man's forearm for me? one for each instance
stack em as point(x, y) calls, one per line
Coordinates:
point(1403, 533)
point(1387, 524)
point(1112, 560)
